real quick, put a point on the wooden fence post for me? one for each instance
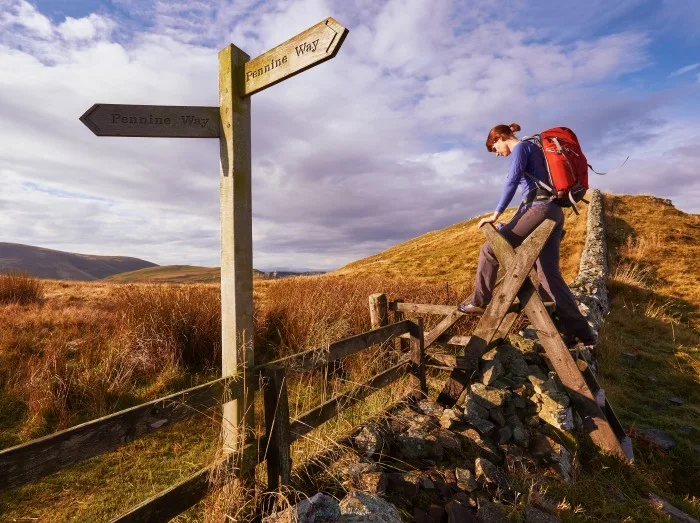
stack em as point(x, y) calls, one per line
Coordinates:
point(236, 244)
point(378, 310)
point(418, 358)
point(279, 462)
point(402, 344)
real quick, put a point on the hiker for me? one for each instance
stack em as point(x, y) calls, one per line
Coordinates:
point(537, 205)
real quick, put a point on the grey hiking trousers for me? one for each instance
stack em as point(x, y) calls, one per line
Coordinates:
point(525, 221)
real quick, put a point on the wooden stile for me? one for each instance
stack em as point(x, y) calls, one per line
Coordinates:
point(595, 423)
point(279, 461)
point(43, 456)
point(489, 324)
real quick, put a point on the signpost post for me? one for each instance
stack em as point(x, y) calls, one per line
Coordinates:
point(239, 77)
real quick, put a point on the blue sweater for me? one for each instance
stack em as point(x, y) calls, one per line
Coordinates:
point(525, 157)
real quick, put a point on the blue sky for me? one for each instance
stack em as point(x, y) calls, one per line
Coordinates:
point(378, 145)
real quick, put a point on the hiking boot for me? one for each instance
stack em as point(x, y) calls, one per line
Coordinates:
point(468, 308)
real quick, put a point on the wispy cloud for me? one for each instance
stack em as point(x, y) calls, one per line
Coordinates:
point(683, 70)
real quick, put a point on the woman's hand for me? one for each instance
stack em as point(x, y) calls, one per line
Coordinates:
point(489, 219)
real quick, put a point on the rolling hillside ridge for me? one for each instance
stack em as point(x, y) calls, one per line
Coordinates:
point(60, 265)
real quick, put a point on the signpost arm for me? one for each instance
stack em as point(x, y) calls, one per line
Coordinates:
point(236, 243)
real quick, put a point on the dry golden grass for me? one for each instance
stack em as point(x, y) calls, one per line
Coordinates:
point(450, 254)
point(20, 288)
point(92, 348)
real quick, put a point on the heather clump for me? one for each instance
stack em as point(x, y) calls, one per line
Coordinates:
point(20, 288)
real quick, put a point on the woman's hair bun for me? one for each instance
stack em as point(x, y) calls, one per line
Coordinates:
point(514, 127)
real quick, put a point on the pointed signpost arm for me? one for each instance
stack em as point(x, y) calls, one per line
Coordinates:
point(236, 242)
point(307, 49)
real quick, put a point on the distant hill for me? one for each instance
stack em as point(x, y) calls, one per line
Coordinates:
point(190, 274)
point(60, 265)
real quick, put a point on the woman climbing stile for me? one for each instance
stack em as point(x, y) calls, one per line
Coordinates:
point(537, 206)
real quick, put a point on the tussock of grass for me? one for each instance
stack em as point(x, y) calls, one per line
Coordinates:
point(171, 325)
point(20, 288)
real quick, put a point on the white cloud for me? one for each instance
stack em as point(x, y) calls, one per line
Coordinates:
point(374, 147)
point(683, 70)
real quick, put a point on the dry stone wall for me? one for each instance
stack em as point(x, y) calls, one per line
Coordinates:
point(589, 287)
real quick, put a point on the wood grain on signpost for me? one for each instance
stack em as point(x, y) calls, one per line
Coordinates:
point(236, 241)
point(312, 47)
point(160, 121)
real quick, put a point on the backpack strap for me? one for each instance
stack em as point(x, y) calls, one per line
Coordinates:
point(615, 169)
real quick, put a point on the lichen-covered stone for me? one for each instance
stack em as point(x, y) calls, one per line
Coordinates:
point(429, 408)
point(449, 442)
point(449, 418)
point(466, 480)
point(360, 507)
point(533, 515)
point(321, 508)
point(368, 441)
point(560, 418)
point(490, 513)
point(472, 409)
point(503, 435)
point(485, 427)
point(490, 474)
point(521, 436)
point(491, 371)
point(487, 397)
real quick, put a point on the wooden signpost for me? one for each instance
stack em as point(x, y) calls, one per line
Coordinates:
point(163, 121)
point(239, 77)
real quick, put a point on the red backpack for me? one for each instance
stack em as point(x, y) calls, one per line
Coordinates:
point(566, 164)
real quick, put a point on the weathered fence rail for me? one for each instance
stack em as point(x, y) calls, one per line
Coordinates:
point(38, 458)
point(43, 456)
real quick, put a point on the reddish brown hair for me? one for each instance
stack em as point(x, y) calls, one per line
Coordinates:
point(501, 132)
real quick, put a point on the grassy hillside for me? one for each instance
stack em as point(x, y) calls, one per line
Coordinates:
point(81, 350)
point(59, 265)
point(451, 254)
point(169, 274)
point(189, 274)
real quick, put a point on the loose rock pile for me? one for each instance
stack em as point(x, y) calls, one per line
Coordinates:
point(458, 464)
